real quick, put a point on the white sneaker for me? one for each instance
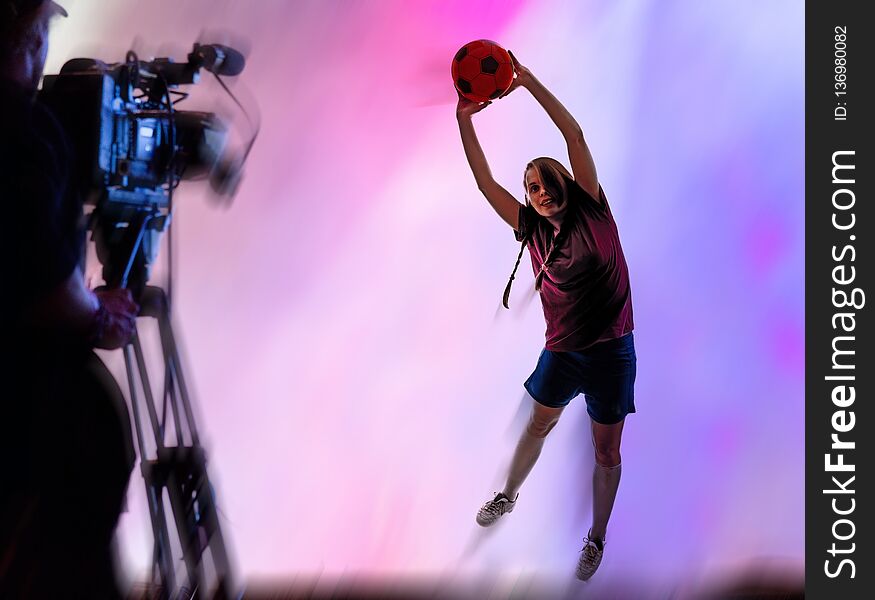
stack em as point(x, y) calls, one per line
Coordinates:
point(590, 557)
point(490, 512)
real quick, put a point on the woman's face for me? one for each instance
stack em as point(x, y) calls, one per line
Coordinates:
point(541, 199)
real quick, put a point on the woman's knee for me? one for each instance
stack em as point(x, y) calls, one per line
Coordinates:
point(542, 420)
point(607, 455)
point(606, 442)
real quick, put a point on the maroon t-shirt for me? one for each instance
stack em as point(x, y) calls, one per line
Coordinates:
point(585, 291)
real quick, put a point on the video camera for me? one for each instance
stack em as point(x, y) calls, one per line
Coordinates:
point(132, 147)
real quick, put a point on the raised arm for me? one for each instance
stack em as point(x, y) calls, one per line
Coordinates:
point(582, 163)
point(507, 207)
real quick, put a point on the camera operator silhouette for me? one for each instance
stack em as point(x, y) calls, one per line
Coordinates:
point(65, 439)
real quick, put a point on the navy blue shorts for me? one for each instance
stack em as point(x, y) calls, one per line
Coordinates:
point(604, 373)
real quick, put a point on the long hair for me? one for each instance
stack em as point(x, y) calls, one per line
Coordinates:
point(558, 183)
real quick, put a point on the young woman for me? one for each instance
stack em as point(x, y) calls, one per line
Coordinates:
point(583, 281)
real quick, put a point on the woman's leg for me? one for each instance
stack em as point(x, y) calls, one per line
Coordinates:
point(606, 475)
point(528, 449)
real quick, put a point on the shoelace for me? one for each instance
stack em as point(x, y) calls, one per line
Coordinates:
point(493, 508)
point(590, 550)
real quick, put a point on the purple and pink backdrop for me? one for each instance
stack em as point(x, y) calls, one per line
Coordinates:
point(358, 387)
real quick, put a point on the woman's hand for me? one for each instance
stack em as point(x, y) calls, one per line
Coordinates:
point(466, 108)
point(523, 75)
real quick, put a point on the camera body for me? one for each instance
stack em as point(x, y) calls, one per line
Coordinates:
point(131, 147)
point(128, 141)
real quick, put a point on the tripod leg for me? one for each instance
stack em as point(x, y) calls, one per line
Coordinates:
point(147, 392)
point(191, 494)
point(197, 520)
point(163, 555)
point(210, 519)
point(171, 359)
point(186, 512)
point(169, 397)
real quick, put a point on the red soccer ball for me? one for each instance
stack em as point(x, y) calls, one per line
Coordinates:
point(482, 70)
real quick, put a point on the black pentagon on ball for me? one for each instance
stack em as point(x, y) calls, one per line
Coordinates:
point(462, 53)
point(489, 65)
point(464, 86)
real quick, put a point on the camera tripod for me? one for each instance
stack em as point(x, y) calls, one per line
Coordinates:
point(180, 468)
